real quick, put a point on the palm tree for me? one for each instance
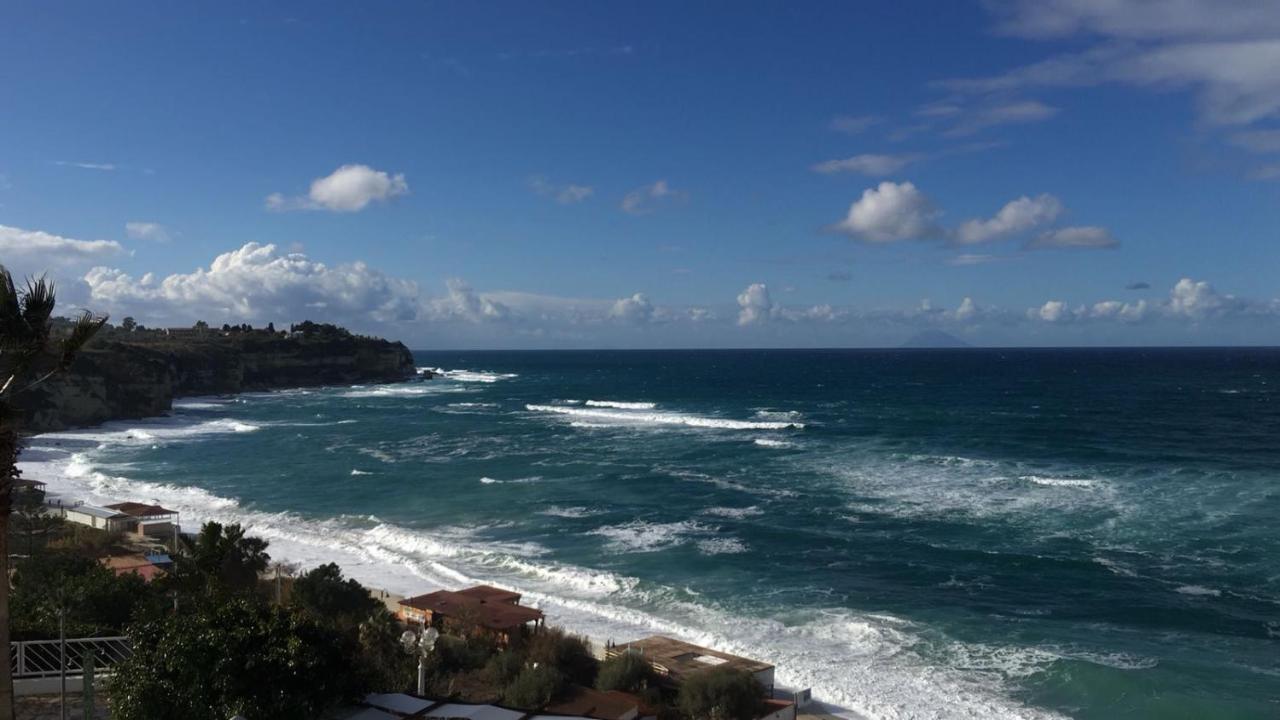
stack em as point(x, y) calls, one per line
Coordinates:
point(30, 353)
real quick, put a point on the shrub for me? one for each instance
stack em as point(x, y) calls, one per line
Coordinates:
point(504, 667)
point(721, 693)
point(534, 687)
point(569, 654)
point(328, 597)
point(626, 671)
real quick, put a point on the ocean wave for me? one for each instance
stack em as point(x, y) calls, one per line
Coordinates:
point(399, 390)
point(516, 481)
point(569, 512)
point(619, 405)
point(641, 536)
point(360, 472)
point(1060, 482)
point(660, 418)
point(778, 415)
point(721, 546)
point(862, 662)
point(1198, 590)
point(476, 376)
point(736, 513)
point(772, 443)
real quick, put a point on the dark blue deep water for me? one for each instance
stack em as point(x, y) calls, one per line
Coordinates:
point(968, 533)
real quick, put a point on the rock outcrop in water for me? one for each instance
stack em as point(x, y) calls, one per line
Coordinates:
point(134, 375)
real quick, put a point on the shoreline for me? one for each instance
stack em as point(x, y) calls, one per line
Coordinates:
point(396, 576)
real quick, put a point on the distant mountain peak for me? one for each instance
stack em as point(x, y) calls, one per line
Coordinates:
point(934, 339)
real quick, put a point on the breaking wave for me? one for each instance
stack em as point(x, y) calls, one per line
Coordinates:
point(621, 405)
point(660, 418)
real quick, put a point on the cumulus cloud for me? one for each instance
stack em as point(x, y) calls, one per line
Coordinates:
point(1015, 217)
point(567, 194)
point(754, 304)
point(257, 283)
point(36, 251)
point(867, 164)
point(891, 212)
point(350, 188)
point(1189, 301)
point(645, 199)
point(1196, 300)
point(635, 309)
point(464, 303)
point(154, 232)
point(1088, 236)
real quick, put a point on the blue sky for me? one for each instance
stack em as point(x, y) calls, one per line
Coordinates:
point(581, 174)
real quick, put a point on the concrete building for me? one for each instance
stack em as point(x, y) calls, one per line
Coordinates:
point(90, 515)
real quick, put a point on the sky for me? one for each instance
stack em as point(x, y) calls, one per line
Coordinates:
point(654, 174)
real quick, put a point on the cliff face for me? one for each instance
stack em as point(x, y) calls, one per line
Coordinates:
point(114, 380)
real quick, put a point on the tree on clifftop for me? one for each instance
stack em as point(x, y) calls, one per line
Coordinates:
point(29, 354)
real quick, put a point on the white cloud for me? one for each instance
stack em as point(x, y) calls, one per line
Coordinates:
point(36, 251)
point(645, 199)
point(463, 303)
point(635, 309)
point(350, 188)
point(971, 259)
point(256, 283)
point(967, 310)
point(1086, 236)
point(867, 164)
point(1224, 52)
point(1196, 300)
point(853, 124)
point(147, 231)
point(106, 167)
point(755, 305)
point(568, 194)
point(1258, 141)
point(1015, 217)
point(891, 212)
point(1004, 113)
point(1054, 311)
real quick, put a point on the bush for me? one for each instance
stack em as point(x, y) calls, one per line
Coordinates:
point(567, 653)
point(98, 602)
point(721, 693)
point(534, 687)
point(626, 671)
point(504, 667)
point(237, 657)
point(325, 595)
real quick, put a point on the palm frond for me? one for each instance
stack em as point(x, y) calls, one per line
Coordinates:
point(87, 325)
point(37, 306)
point(13, 326)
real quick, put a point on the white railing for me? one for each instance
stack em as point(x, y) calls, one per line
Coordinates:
point(43, 658)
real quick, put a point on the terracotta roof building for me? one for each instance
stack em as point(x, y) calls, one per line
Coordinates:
point(493, 609)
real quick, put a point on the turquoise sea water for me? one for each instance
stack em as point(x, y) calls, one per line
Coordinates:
point(977, 533)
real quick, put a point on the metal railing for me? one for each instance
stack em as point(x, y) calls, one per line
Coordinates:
point(42, 658)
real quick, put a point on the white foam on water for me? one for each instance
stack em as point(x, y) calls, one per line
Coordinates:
point(771, 443)
point(1198, 590)
point(619, 405)
point(416, 389)
point(659, 418)
point(866, 664)
point(721, 546)
point(734, 512)
point(641, 536)
point(355, 471)
point(199, 405)
point(779, 415)
point(473, 405)
point(515, 481)
point(473, 376)
point(569, 512)
point(1060, 482)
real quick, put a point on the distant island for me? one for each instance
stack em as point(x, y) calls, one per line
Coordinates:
point(130, 371)
point(934, 339)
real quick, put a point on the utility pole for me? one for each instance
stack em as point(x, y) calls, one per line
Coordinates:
point(62, 660)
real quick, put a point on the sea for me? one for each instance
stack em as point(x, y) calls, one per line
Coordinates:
point(1027, 533)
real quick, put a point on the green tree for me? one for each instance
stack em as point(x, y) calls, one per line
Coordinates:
point(567, 653)
point(96, 600)
point(222, 558)
point(534, 687)
point(388, 667)
point(626, 671)
point(30, 353)
point(128, 324)
point(721, 693)
point(31, 521)
point(324, 594)
point(235, 657)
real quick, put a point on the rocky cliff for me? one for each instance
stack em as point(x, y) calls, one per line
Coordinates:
point(117, 379)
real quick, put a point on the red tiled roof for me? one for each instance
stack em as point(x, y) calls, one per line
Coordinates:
point(142, 510)
point(497, 615)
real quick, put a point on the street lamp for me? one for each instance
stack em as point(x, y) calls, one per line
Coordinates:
point(420, 644)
